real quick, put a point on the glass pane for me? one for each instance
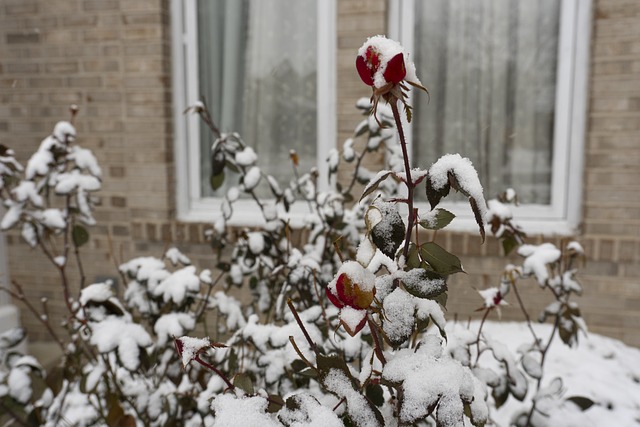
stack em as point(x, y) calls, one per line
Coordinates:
point(490, 66)
point(258, 75)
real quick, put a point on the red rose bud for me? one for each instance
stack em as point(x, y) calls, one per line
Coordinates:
point(351, 294)
point(366, 74)
point(395, 71)
point(334, 299)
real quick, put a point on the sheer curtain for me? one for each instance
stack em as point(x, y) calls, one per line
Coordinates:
point(490, 66)
point(258, 74)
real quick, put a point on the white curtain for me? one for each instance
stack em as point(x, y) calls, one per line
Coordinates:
point(258, 71)
point(490, 66)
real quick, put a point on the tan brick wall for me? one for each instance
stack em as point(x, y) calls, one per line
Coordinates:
point(112, 58)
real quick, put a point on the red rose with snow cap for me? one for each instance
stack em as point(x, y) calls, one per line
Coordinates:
point(385, 66)
point(352, 291)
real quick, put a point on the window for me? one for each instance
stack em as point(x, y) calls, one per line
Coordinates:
point(508, 90)
point(255, 62)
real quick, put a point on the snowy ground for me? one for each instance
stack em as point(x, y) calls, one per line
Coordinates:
point(600, 368)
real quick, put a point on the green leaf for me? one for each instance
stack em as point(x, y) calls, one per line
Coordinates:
point(375, 394)
point(389, 233)
point(231, 166)
point(217, 181)
point(218, 162)
point(80, 235)
point(298, 365)
point(434, 196)
point(116, 413)
point(373, 184)
point(583, 403)
point(423, 283)
point(441, 219)
point(275, 403)
point(243, 381)
point(362, 127)
point(439, 259)
point(54, 379)
point(478, 216)
point(509, 244)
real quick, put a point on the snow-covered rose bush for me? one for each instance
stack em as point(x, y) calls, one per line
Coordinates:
point(347, 327)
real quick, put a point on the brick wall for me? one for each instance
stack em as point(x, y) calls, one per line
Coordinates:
point(112, 58)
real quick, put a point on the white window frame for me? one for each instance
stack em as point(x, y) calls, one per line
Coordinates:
point(191, 205)
point(563, 215)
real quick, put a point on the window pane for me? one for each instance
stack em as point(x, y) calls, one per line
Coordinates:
point(490, 66)
point(258, 75)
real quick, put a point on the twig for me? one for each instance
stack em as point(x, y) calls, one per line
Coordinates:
point(409, 183)
point(304, 330)
point(297, 349)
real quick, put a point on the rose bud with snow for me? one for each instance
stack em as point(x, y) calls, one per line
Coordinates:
point(352, 291)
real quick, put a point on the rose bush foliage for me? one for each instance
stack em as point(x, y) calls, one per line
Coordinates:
point(347, 328)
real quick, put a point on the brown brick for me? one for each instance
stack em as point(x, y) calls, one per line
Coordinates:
point(166, 233)
point(23, 37)
point(23, 67)
point(120, 230)
point(118, 202)
point(117, 172)
point(100, 5)
point(151, 232)
point(21, 8)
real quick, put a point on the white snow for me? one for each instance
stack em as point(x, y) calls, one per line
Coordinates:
point(175, 256)
point(536, 259)
point(85, 159)
point(465, 174)
point(599, 368)
point(116, 333)
point(256, 242)
point(246, 157)
point(178, 285)
point(191, 347)
point(310, 413)
point(64, 132)
point(357, 406)
point(97, 292)
point(51, 218)
point(242, 411)
point(69, 181)
point(252, 178)
point(173, 325)
point(27, 190)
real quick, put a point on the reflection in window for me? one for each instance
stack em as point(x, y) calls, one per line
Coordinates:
point(258, 75)
point(490, 66)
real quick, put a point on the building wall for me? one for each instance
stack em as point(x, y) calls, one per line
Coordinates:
point(112, 58)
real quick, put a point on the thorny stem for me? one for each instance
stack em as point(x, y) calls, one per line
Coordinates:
point(21, 297)
point(409, 182)
point(7, 410)
point(544, 355)
point(63, 276)
point(205, 301)
point(376, 339)
point(297, 349)
point(301, 325)
point(526, 315)
point(216, 370)
point(355, 172)
point(484, 317)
